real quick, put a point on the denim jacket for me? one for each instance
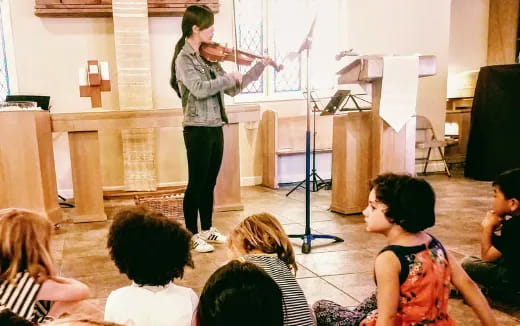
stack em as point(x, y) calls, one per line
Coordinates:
point(203, 85)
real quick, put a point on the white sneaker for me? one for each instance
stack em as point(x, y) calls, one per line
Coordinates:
point(198, 244)
point(213, 235)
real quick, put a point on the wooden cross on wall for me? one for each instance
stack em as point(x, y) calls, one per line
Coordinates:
point(98, 81)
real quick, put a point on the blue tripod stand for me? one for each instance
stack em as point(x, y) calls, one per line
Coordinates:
point(308, 237)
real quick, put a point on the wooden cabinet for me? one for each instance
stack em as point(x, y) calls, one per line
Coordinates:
point(27, 175)
point(103, 8)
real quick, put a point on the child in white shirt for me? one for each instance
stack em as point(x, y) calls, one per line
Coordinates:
point(152, 251)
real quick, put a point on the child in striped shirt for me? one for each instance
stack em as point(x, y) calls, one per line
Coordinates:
point(29, 286)
point(260, 239)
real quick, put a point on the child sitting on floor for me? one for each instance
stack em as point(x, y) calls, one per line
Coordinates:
point(240, 293)
point(260, 239)
point(29, 286)
point(413, 273)
point(152, 251)
point(499, 266)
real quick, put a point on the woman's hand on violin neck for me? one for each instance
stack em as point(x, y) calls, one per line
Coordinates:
point(236, 76)
point(267, 61)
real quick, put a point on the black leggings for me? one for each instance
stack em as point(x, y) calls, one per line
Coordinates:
point(204, 147)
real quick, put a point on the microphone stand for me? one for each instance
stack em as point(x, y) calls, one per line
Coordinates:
point(307, 237)
point(317, 182)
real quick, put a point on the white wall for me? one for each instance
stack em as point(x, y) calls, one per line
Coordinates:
point(404, 27)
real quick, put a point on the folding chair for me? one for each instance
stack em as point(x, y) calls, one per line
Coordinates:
point(429, 141)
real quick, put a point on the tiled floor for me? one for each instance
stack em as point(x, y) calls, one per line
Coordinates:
point(341, 272)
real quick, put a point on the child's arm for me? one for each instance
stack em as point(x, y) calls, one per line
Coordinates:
point(489, 224)
point(63, 289)
point(471, 293)
point(387, 269)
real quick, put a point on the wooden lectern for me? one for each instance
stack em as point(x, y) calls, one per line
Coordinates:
point(387, 150)
point(27, 175)
point(350, 161)
point(391, 151)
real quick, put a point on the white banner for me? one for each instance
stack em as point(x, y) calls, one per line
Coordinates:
point(399, 90)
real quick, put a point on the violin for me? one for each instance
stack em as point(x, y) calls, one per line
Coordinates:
point(214, 52)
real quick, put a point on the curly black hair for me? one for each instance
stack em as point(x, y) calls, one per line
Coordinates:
point(240, 293)
point(148, 247)
point(410, 201)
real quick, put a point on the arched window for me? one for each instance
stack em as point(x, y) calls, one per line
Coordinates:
point(7, 80)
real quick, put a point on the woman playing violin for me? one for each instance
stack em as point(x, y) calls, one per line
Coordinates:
point(201, 85)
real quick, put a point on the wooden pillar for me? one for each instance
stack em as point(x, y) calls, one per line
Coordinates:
point(502, 31)
point(86, 177)
point(227, 189)
point(269, 131)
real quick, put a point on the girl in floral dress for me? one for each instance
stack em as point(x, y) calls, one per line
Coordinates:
point(413, 272)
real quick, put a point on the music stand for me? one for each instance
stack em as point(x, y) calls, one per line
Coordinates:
point(307, 237)
point(353, 97)
point(339, 101)
point(336, 101)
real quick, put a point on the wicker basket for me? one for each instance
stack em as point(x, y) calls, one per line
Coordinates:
point(169, 204)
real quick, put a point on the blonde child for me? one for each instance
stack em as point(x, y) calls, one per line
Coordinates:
point(260, 239)
point(29, 285)
point(413, 273)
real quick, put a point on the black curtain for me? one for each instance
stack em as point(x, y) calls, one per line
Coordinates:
point(494, 139)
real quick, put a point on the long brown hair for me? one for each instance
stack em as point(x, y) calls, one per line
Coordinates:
point(24, 244)
point(196, 15)
point(263, 232)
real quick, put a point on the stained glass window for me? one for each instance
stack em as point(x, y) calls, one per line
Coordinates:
point(282, 26)
point(250, 35)
point(4, 74)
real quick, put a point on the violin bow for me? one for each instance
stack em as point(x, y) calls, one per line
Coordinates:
point(235, 34)
point(306, 44)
